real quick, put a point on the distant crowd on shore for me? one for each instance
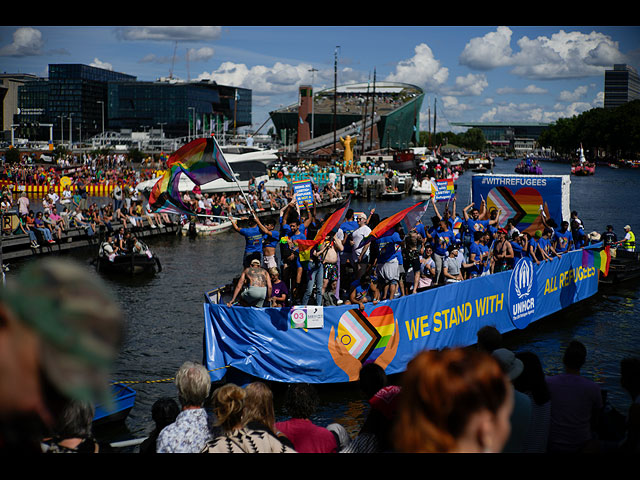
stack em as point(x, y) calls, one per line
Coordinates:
point(480, 399)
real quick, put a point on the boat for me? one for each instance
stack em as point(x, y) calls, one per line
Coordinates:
point(422, 187)
point(146, 262)
point(329, 344)
point(196, 229)
point(124, 398)
point(582, 167)
point(392, 195)
point(624, 266)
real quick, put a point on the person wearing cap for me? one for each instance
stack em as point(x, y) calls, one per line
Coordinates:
point(60, 332)
point(629, 240)
point(522, 410)
point(253, 287)
point(451, 270)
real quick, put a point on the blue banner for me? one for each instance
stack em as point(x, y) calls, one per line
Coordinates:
point(523, 198)
point(262, 342)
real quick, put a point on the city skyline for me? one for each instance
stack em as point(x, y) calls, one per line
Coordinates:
point(473, 74)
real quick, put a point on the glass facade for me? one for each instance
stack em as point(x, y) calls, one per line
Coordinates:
point(621, 85)
point(75, 96)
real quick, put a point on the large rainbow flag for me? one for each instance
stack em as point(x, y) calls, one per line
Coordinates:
point(202, 161)
point(332, 221)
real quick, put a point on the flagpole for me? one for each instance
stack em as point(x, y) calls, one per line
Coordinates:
point(234, 177)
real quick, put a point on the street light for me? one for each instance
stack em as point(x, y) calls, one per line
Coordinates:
point(102, 138)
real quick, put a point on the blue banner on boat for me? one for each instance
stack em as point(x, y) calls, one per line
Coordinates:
point(522, 198)
point(261, 341)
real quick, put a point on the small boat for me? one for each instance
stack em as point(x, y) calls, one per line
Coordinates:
point(130, 263)
point(123, 401)
point(583, 168)
point(624, 266)
point(392, 195)
point(422, 188)
point(195, 229)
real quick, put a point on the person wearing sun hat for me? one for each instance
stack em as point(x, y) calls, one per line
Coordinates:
point(629, 240)
point(60, 332)
point(522, 409)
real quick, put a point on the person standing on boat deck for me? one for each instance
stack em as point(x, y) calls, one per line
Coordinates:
point(387, 269)
point(192, 428)
point(503, 252)
point(253, 287)
point(345, 235)
point(270, 240)
point(562, 239)
point(609, 237)
point(629, 240)
point(253, 240)
point(451, 271)
point(442, 238)
point(358, 235)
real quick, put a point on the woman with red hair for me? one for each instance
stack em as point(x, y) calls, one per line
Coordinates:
point(453, 401)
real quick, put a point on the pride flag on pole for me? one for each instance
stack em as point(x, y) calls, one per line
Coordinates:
point(598, 257)
point(412, 213)
point(305, 246)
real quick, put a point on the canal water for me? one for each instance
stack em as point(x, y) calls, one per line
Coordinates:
point(165, 312)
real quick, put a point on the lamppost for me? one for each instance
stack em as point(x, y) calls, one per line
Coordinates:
point(102, 138)
point(313, 75)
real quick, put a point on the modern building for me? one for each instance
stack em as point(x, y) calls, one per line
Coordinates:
point(621, 85)
point(178, 108)
point(77, 102)
point(393, 108)
point(519, 136)
point(9, 84)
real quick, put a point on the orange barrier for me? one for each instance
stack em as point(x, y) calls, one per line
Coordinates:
point(98, 190)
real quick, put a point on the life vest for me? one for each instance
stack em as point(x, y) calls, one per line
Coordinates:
point(631, 243)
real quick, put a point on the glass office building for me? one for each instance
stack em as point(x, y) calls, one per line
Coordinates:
point(69, 99)
point(621, 85)
point(79, 100)
point(180, 109)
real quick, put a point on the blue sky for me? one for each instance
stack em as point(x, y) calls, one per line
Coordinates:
point(473, 73)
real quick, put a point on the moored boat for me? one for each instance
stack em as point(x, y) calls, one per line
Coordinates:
point(196, 229)
point(143, 262)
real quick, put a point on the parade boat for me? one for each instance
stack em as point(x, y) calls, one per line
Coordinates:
point(624, 266)
point(422, 187)
point(326, 345)
point(192, 229)
point(582, 167)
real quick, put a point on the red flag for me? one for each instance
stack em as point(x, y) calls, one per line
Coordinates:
point(305, 246)
point(388, 223)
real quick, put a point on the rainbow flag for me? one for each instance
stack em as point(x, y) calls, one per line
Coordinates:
point(202, 161)
point(598, 257)
point(165, 195)
point(305, 246)
point(412, 213)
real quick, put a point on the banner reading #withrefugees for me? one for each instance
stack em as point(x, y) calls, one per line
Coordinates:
point(521, 197)
point(261, 341)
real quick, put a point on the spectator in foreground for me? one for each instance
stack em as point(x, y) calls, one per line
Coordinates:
point(453, 401)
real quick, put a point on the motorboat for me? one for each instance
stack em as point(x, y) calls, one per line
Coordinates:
point(143, 262)
point(124, 398)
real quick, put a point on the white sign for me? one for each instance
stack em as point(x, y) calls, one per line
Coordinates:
point(311, 316)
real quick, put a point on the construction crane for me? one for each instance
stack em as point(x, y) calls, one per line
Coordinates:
point(173, 61)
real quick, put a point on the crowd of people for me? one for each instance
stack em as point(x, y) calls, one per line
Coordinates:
point(482, 398)
point(348, 266)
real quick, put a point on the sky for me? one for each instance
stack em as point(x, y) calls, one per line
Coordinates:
point(468, 73)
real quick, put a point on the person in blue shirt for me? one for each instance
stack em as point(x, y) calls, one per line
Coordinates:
point(518, 246)
point(362, 291)
point(291, 259)
point(270, 240)
point(253, 240)
point(545, 245)
point(474, 220)
point(442, 238)
point(478, 254)
point(562, 239)
point(578, 235)
point(347, 267)
point(387, 269)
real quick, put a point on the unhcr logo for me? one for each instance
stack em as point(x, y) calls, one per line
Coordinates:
point(522, 293)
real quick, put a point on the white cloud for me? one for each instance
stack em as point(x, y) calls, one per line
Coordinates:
point(26, 41)
point(529, 89)
point(200, 54)
point(100, 64)
point(566, 55)
point(490, 51)
point(422, 69)
point(164, 33)
point(470, 84)
point(568, 96)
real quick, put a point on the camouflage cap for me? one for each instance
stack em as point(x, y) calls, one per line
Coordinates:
point(80, 325)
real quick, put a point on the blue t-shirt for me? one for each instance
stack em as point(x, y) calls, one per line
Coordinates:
point(478, 249)
point(271, 240)
point(387, 247)
point(562, 240)
point(421, 231)
point(253, 239)
point(517, 249)
point(533, 247)
point(442, 240)
point(578, 238)
point(348, 228)
point(544, 244)
point(477, 225)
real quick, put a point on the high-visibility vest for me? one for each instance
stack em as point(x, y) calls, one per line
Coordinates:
point(630, 244)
